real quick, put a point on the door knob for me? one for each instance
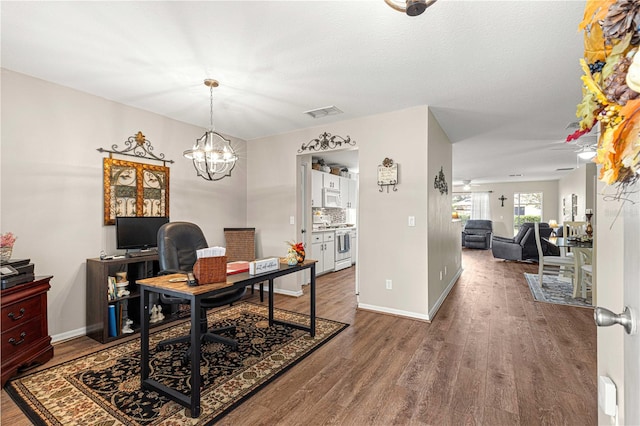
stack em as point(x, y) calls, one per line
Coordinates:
point(605, 318)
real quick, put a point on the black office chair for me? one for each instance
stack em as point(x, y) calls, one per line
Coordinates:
point(177, 245)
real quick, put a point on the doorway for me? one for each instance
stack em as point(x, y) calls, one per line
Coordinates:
point(340, 217)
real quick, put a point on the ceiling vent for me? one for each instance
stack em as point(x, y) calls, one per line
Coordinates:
point(323, 112)
point(564, 169)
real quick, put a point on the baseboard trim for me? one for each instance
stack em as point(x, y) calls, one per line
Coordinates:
point(445, 293)
point(391, 311)
point(68, 335)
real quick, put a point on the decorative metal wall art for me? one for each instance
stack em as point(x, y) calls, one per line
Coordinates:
point(440, 183)
point(136, 146)
point(134, 189)
point(387, 174)
point(502, 200)
point(326, 141)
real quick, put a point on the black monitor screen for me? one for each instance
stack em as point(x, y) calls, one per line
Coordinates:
point(138, 232)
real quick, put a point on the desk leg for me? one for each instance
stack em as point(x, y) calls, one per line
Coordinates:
point(312, 308)
point(271, 302)
point(195, 357)
point(144, 335)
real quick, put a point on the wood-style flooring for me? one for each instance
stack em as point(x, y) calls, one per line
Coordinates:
point(492, 356)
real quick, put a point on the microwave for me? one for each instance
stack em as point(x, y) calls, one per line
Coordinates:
point(331, 197)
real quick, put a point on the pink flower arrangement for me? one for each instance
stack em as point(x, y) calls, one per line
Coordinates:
point(7, 239)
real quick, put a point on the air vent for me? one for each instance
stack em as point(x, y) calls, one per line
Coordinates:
point(574, 125)
point(564, 169)
point(516, 175)
point(323, 112)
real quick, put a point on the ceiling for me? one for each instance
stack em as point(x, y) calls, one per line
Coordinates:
point(502, 77)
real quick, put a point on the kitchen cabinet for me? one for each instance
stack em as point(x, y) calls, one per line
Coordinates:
point(348, 192)
point(330, 181)
point(316, 188)
point(323, 250)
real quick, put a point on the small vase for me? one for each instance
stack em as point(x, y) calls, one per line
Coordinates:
point(300, 256)
point(5, 253)
point(292, 261)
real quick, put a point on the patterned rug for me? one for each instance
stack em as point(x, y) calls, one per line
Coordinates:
point(103, 388)
point(555, 291)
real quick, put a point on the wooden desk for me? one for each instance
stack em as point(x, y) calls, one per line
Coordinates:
point(195, 295)
point(578, 248)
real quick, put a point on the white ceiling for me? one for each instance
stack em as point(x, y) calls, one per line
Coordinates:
point(502, 77)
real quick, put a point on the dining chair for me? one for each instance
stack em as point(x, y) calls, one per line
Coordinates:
point(586, 279)
point(177, 246)
point(552, 265)
point(572, 229)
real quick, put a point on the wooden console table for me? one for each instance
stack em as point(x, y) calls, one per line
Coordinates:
point(25, 330)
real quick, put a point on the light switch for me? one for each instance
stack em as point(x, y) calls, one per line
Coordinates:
point(412, 221)
point(607, 395)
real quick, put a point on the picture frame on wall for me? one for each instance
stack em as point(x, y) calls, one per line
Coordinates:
point(134, 189)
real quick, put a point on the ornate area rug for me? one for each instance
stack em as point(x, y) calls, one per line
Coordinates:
point(103, 388)
point(555, 291)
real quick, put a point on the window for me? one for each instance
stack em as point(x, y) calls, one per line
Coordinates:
point(527, 207)
point(461, 204)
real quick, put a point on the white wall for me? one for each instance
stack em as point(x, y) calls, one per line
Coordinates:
point(444, 253)
point(388, 248)
point(502, 217)
point(51, 183)
point(580, 182)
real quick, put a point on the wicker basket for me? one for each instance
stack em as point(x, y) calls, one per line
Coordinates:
point(209, 270)
point(315, 166)
point(335, 171)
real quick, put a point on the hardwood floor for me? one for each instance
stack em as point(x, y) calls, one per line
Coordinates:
point(492, 356)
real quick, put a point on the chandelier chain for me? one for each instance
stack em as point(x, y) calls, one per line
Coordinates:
point(211, 106)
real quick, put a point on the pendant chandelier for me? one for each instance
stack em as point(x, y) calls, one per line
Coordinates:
point(410, 7)
point(212, 155)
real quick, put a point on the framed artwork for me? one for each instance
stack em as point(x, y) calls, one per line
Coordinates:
point(134, 189)
point(574, 206)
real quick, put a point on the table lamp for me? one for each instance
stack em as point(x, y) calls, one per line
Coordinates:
point(553, 224)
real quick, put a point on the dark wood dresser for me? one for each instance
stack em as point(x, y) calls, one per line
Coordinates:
point(25, 331)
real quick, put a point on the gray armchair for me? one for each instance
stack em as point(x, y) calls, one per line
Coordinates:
point(477, 234)
point(523, 245)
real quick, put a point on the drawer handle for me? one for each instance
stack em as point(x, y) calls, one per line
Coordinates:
point(15, 342)
point(14, 317)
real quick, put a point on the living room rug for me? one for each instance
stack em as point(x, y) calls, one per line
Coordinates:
point(555, 291)
point(103, 388)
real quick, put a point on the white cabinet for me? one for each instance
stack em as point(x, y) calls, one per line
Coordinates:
point(330, 181)
point(316, 188)
point(348, 192)
point(353, 234)
point(323, 250)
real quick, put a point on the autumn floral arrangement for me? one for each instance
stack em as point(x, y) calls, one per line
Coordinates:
point(611, 92)
point(295, 253)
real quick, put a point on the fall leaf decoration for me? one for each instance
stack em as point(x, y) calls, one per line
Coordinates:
point(622, 18)
point(612, 35)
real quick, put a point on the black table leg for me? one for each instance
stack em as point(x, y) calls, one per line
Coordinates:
point(312, 308)
point(144, 335)
point(271, 302)
point(195, 357)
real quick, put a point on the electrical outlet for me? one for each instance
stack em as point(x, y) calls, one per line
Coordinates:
point(412, 221)
point(388, 284)
point(292, 220)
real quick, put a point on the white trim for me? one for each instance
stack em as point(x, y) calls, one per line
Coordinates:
point(297, 293)
point(397, 312)
point(445, 293)
point(68, 335)
point(415, 315)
